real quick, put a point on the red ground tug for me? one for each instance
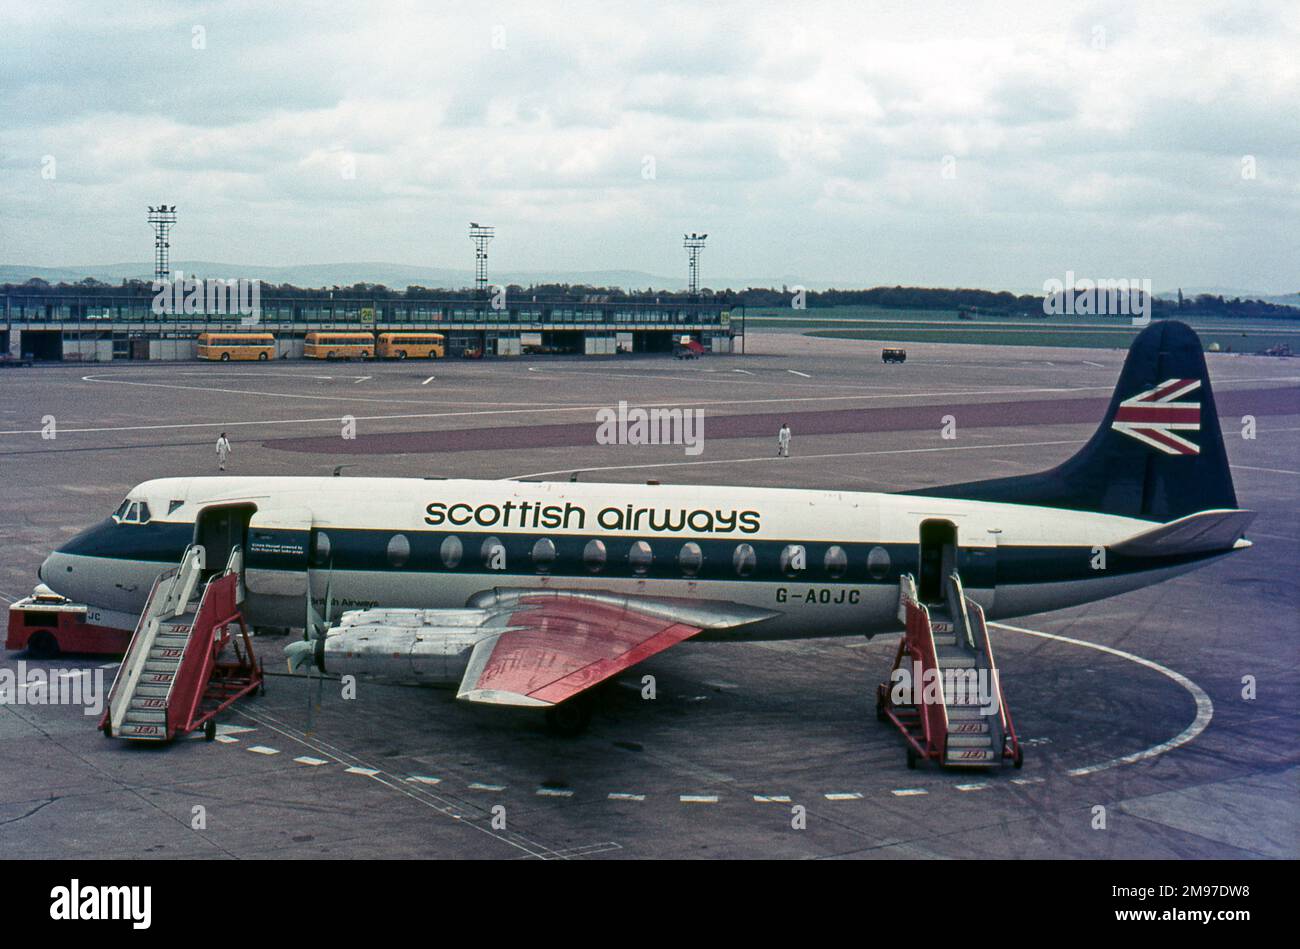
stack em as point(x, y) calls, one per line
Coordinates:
point(46, 624)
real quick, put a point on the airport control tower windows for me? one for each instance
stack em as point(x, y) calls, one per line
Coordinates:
point(744, 560)
point(399, 550)
point(690, 559)
point(451, 551)
point(794, 560)
point(543, 554)
point(836, 561)
point(593, 556)
point(640, 557)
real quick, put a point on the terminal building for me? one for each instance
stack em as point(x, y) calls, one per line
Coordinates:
point(104, 328)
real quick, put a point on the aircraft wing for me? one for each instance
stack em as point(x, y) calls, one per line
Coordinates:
point(556, 644)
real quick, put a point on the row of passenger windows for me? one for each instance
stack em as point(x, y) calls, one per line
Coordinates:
point(689, 558)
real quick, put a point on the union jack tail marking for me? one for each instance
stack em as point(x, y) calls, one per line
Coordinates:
point(1153, 416)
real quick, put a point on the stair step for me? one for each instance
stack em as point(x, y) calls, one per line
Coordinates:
point(166, 652)
point(163, 679)
point(161, 665)
point(149, 690)
point(970, 741)
point(968, 727)
point(964, 713)
point(171, 639)
point(140, 716)
point(957, 660)
point(971, 756)
point(153, 732)
point(148, 702)
point(945, 639)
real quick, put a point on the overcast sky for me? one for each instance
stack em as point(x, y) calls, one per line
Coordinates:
point(867, 143)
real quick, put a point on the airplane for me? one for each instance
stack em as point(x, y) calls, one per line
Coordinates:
point(530, 593)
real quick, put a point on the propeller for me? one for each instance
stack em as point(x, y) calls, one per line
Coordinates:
point(310, 651)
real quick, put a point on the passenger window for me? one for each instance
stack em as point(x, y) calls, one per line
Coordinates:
point(399, 550)
point(452, 550)
point(543, 555)
point(640, 557)
point(836, 562)
point(494, 554)
point(690, 559)
point(321, 551)
point(744, 560)
point(878, 563)
point(593, 555)
point(794, 560)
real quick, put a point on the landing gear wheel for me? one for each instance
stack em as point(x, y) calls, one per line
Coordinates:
point(210, 729)
point(1018, 761)
point(911, 758)
point(43, 645)
point(108, 729)
point(569, 718)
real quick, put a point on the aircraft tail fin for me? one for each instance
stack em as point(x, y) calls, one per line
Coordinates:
point(1158, 453)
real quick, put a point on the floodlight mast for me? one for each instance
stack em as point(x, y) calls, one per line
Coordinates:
point(481, 235)
point(694, 243)
point(162, 218)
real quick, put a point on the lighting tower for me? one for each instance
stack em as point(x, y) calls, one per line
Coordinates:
point(694, 243)
point(162, 218)
point(481, 235)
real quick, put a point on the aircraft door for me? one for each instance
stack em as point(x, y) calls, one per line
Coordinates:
point(276, 557)
point(219, 530)
point(938, 558)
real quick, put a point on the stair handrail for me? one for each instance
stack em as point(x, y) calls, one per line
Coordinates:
point(162, 600)
point(1004, 712)
point(957, 607)
point(934, 715)
point(906, 595)
point(216, 608)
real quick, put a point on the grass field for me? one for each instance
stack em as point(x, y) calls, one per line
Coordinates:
point(900, 326)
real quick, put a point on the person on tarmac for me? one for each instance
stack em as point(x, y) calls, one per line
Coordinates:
point(223, 451)
point(783, 441)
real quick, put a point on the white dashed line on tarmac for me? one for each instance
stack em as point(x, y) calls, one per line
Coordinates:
point(264, 750)
point(309, 760)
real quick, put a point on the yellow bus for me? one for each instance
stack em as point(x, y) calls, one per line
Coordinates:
point(228, 346)
point(414, 345)
point(325, 344)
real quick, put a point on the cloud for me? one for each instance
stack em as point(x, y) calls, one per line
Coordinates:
point(808, 141)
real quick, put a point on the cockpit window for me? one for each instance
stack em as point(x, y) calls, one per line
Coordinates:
point(132, 512)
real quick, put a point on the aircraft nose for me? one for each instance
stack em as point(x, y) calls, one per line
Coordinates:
point(55, 571)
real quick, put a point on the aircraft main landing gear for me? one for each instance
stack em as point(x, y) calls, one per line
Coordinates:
point(570, 718)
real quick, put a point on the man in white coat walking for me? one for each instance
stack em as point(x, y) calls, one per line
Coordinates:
point(783, 441)
point(223, 451)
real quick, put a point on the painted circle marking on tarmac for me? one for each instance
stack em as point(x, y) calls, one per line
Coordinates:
point(1204, 707)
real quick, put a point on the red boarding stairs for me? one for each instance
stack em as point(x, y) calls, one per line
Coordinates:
point(956, 711)
point(173, 679)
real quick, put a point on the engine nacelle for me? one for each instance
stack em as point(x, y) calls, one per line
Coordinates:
point(430, 646)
